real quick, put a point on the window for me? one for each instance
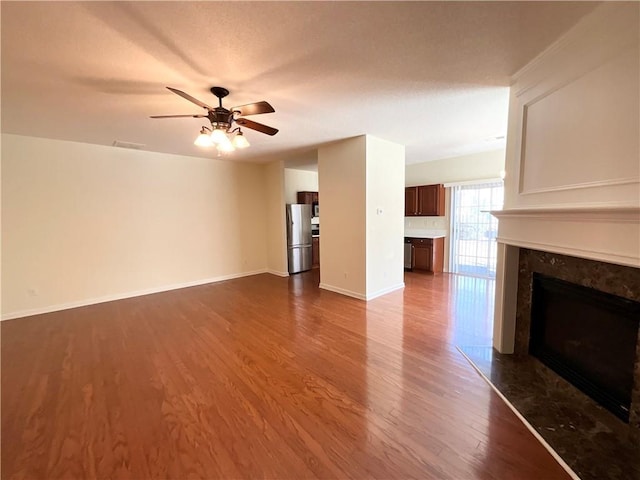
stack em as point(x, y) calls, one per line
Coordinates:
point(473, 246)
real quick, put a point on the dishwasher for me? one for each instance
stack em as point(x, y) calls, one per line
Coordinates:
point(408, 255)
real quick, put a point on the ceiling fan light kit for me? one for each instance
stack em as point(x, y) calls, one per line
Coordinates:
point(222, 135)
point(204, 139)
point(240, 141)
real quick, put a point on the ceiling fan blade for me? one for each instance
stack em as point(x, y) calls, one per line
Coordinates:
point(256, 126)
point(190, 98)
point(254, 108)
point(177, 116)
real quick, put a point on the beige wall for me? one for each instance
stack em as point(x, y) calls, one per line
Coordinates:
point(276, 228)
point(83, 223)
point(362, 188)
point(342, 181)
point(298, 181)
point(385, 216)
point(477, 166)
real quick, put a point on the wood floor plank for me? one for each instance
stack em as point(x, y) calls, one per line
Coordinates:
point(262, 377)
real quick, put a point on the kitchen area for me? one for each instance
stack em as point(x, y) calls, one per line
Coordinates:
point(426, 226)
point(425, 229)
point(303, 232)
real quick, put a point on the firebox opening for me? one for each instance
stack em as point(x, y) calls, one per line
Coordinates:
point(588, 337)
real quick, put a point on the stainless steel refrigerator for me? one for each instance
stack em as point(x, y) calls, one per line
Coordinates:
point(299, 237)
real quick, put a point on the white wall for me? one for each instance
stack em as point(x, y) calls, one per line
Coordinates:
point(276, 227)
point(572, 182)
point(85, 222)
point(298, 181)
point(342, 180)
point(477, 166)
point(385, 165)
point(574, 119)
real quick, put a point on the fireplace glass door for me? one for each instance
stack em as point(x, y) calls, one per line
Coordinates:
point(588, 337)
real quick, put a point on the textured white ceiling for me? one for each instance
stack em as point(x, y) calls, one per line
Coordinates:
point(429, 75)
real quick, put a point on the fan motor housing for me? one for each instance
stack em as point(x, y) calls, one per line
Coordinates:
point(220, 116)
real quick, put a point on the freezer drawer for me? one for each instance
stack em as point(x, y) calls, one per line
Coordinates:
point(299, 258)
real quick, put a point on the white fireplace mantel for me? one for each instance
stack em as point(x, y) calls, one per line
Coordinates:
point(609, 234)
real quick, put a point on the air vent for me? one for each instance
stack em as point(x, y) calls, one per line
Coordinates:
point(131, 145)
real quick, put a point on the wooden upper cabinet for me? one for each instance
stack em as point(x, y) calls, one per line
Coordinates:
point(424, 201)
point(308, 197)
point(431, 200)
point(410, 201)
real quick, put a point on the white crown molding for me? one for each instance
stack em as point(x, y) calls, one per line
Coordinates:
point(599, 16)
point(577, 186)
point(121, 296)
point(608, 213)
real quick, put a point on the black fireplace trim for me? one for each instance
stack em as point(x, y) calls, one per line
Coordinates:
point(625, 307)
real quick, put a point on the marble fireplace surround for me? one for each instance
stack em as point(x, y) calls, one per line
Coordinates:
point(606, 277)
point(598, 247)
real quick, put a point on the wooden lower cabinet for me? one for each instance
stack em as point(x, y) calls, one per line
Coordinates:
point(421, 257)
point(315, 252)
point(428, 254)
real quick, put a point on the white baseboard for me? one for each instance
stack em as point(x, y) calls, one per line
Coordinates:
point(343, 291)
point(384, 291)
point(360, 296)
point(279, 274)
point(121, 296)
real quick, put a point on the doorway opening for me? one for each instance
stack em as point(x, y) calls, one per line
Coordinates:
point(474, 230)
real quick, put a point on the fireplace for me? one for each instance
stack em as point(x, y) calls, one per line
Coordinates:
point(588, 337)
point(587, 294)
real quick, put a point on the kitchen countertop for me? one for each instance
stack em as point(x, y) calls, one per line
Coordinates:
point(425, 233)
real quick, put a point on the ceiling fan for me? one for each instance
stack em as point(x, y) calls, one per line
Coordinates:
point(222, 120)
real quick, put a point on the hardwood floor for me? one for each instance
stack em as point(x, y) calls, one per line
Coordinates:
point(261, 377)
